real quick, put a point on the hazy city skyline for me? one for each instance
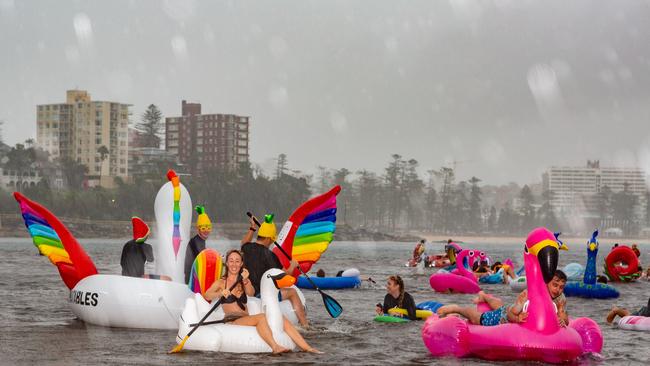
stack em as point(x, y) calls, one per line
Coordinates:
point(505, 88)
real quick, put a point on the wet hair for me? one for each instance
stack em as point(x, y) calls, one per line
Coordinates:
point(601, 279)
point(320, 273)
point(475, 266)
point(422, 241)
point(560, 275)
point(495, 265)
point(400, 283)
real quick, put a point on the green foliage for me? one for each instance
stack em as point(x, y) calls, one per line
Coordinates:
point(150, 127)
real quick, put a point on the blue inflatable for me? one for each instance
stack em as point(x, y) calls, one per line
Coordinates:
point(329, 282)
point(588, 287)
point(429, 305)
point(574, 271)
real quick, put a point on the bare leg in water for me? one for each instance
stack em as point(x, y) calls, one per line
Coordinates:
point(295, 336)
point(493, 302)
point(473, 315)
point(291, 295)
point(259, 322)
point(616, 311)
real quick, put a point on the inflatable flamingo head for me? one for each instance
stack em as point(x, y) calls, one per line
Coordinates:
point(543, 244)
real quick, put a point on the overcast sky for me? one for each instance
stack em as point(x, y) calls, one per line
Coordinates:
point(507, 87)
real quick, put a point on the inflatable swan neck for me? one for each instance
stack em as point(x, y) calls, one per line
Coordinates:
point(269, 296)
point(542, 316)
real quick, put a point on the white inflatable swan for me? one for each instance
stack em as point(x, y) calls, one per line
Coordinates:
point(237, 338)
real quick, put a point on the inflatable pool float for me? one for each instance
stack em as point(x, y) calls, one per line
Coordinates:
point(390, 319)
point(540, 338)
point(496, 277)
point(574, 271)
point(588, 286)
point(518, 284)
point(463, 281)
point(633, 322)
point(114, 300)
point(325, 283)
point(432, 306)
point(622, 264)
point(237, 338)
point(423, 311)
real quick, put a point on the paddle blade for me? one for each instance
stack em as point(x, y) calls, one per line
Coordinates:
point(179, 347)
point(332, 306)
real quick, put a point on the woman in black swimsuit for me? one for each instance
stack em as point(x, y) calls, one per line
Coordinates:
point(236, 311)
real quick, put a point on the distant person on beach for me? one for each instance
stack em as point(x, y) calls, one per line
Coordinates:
point(197, 243)
point(136, 252)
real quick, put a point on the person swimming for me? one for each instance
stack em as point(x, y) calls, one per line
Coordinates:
point(616, 311)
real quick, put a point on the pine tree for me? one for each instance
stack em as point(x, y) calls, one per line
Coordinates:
point(150, 127)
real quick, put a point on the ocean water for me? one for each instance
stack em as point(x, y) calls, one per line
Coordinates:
point(38, 327)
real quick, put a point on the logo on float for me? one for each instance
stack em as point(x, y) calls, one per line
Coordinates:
point(84, 298)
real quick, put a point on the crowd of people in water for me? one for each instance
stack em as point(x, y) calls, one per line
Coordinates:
point(245, 266)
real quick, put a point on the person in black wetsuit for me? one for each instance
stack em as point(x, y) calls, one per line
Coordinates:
point(197, 243)
point(136, 252)
point(397, 298)
point(258, 258)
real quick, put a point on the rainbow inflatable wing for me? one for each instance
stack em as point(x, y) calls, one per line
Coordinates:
point(206, 269)
point(309, 230)
point(54, 241)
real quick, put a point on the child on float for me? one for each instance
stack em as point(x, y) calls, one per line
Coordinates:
point(197, 243)
point(235, 308)
point(516, 313)
point(397, 298)
point(643, 311)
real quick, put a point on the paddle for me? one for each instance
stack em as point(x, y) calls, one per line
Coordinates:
point(179, 347)
point(334, 309)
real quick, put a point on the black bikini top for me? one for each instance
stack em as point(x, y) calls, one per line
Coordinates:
point(241, 301)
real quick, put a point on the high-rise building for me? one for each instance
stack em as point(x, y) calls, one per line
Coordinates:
point(577, 188)
point(204, 141)
point(77, 130)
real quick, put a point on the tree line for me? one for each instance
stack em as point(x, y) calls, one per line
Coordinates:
point(397, 199)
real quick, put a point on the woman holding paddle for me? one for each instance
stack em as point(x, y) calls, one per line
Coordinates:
point(236, 311)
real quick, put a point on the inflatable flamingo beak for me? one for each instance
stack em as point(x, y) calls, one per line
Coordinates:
point(283, 280)
point(548, 258)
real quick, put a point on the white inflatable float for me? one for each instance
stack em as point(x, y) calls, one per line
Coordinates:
point(237, 338)
point(121, 301)
point(114, 300)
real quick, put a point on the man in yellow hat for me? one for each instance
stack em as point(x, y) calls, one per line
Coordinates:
point(258, 258)
point(197, 243)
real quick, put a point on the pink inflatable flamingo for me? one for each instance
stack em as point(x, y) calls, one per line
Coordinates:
point(461, 281)
point(540, 338)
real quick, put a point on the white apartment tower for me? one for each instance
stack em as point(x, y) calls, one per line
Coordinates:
point(576, 188)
